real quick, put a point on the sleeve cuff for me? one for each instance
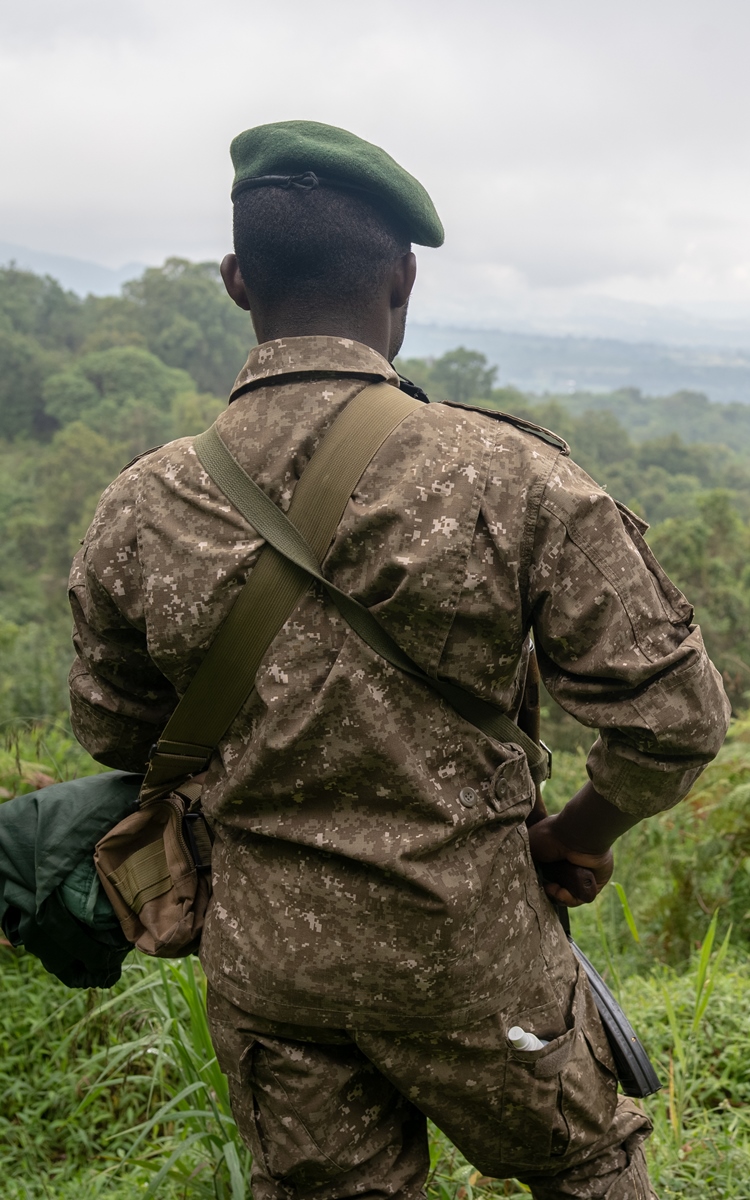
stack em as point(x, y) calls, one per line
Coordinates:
point(636, 784)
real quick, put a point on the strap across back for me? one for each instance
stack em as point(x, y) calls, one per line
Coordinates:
point(275, 586)
point(296, 544)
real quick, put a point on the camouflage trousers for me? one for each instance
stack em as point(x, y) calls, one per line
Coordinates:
point(331, 1114)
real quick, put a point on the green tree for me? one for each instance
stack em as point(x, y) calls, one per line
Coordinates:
point(111, 321)
point(708, 557)
point(38, 307)
point(189, 321)
point(24, 363)
point(418, 370)
point(678, 458)
point(74, 470)
point(462, 375)
point(124, 393)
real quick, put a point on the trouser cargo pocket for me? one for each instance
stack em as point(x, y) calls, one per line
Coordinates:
point(322, 1119)
point(561, 1098)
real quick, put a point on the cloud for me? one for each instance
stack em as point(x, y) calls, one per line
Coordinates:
point(579, 146)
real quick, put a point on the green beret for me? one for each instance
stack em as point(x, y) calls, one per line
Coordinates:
point(308, 154)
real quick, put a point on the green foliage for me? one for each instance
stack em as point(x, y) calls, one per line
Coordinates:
point(34, 754)
point(695, 1025)
point(658, 479)
point(119, 1094)
point(671, 937)
point(48, 1035)
point(642, 448)
point(649, 418)
point(462, 375)
point(708, 557)
point(85, 385)
point(418, 370)
point(23, 367)
point(125, 394)
point(678, 868)
point(35, 665)
point(452, 1176)
point(133, 1102)
point(189, 1137)
point(48, 492)
point(113, 1094)
point(177, 316)
point(102, 383)
point(38, 308)
point(189, 322)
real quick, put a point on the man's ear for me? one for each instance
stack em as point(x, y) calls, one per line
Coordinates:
point(402, 280)
point(233, 281)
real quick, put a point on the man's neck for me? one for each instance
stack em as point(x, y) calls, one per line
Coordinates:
point(370, 332)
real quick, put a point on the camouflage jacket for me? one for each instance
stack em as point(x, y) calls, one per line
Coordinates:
point(371, 864)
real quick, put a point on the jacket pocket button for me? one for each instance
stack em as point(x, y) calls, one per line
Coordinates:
point(468, 797)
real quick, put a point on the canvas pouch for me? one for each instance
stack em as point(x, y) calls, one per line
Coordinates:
point(155, 867)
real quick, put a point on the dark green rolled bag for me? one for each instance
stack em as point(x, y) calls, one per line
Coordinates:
point(51, 901)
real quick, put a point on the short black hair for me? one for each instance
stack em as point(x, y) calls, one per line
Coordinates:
point(319, 243)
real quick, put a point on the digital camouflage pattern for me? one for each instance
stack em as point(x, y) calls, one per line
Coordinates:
point(371, 867)
point(343, 1112)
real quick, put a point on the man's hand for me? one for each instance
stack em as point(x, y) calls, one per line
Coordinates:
point(578, 837)
point(573, 887)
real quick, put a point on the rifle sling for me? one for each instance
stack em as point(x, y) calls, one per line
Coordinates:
point(225, 678)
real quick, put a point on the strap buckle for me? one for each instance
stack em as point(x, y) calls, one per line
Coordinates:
point(194, 839)
point(549, 757)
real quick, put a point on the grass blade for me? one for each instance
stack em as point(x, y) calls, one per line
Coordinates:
point(627, 912)
point(236, 1174)
point(703, 997)
point(703, 962)
point(174, 1158)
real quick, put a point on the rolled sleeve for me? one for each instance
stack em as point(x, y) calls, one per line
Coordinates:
point(617, 648)
point(119, 699)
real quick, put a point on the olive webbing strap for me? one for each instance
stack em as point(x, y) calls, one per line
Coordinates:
point(225, 678)
point(279, 531)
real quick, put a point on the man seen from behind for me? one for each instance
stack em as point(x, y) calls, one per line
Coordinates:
point(377, 923)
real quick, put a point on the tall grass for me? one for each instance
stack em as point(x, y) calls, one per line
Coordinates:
point(701, 1142)
point(48, 1038)
point(694, 1023)
point(119, 1094)
point(189, 1138)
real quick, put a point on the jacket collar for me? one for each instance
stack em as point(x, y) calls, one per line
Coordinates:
point(316, 354)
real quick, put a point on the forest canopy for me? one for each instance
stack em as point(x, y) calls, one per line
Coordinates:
point(86, 384)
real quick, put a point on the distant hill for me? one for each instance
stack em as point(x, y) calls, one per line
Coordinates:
point(539, 363)
point(75, 274)
point(534, 362)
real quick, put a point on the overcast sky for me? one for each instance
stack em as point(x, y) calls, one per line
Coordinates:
point(574, 148)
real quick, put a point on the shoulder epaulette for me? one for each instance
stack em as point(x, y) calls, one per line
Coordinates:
point(138, 457)
point(553, 439)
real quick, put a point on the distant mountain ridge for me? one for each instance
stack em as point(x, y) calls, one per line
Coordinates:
point(535, 361)
point(541, 363)
point(74, 274)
